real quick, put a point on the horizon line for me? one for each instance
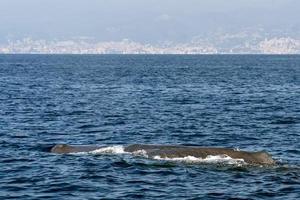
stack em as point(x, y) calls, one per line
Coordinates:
point(178, 54)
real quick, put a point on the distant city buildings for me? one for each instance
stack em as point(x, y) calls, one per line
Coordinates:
point(223, 44)
point(280, 46)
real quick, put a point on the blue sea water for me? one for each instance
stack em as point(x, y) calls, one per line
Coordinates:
point(250, 102)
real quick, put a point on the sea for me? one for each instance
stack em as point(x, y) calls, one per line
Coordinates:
point(245, 102)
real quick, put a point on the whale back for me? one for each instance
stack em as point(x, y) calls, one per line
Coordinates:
point(172, 151)
point(177, 151)
point(264, 158)
point(65, 148)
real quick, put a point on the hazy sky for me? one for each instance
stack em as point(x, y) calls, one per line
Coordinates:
point(144, 20)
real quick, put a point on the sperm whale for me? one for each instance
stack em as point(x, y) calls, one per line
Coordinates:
point(176, 151)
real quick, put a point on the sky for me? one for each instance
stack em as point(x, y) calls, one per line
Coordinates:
point(146, 21)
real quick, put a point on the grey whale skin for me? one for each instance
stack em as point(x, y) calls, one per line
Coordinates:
point(175, 151)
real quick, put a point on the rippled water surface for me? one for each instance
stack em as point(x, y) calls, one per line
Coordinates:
point(248, 102)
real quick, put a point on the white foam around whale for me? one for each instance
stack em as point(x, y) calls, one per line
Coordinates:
point(140, 153)
point(117, 149)
point(224, 159)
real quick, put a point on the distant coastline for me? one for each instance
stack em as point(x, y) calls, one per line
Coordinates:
point(266, 46)
point(154, 54)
